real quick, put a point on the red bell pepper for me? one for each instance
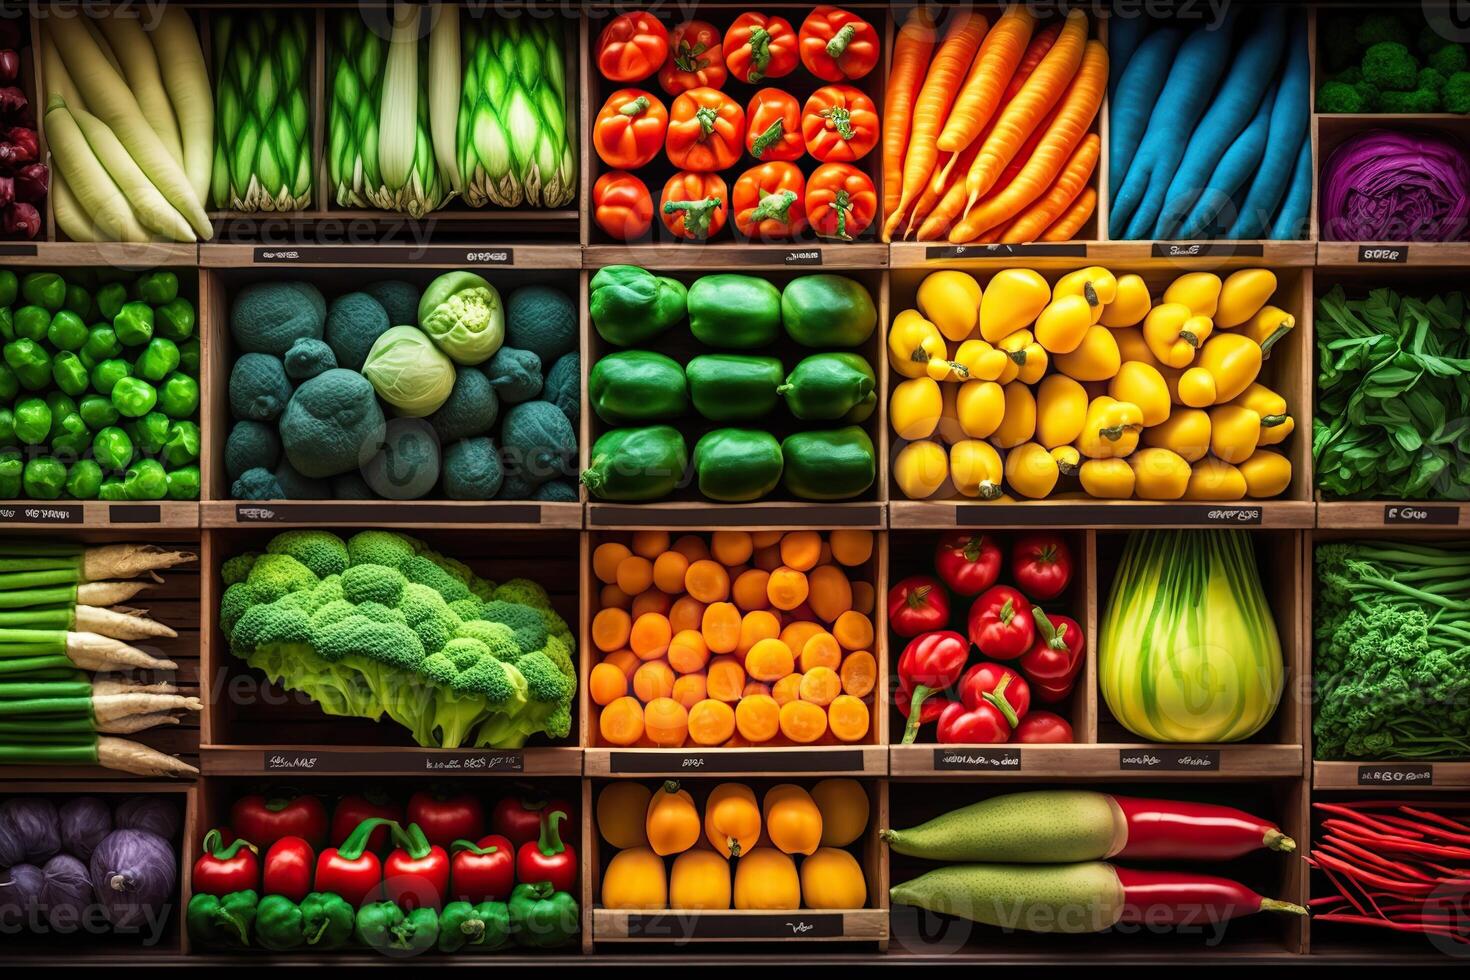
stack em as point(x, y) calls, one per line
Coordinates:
point(758, 46)
point(1042, 565)
point(548, 858)
point(1043, 727)
point(696, 59)
point(221, 870)
point(929, 709)
point(837, 45)
point(917, 604)
point(840, 201)
point(839, 124)
point(445, 819)
point(1055, 658)
point(629, 131)
point(622, 206)
point(990, 678)
point(693, 205)
point(768, 201)
point(934, 660)
point(416, 874)
point(968, 562)
point(518, 818)
point(354, 808)
point(483, 870)
point(1001, 624)
point(988, 723)
point(773, 126)
point(351, 870)
point(631, 47)
point(263, 821)
point(288, 869)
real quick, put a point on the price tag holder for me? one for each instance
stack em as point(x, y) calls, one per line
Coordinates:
point(383, 255)
point(1395, 775)
point(1435, 514)
point(1154, 758)
point(134, 513)
point(977, 760)
point(747, 515)
point(802, 256)
point(1035, 250)
point(1383, 253)
point(395, 513)
point(41, 514)
point(294, 760)
point(1202, 250)
point(734, 760)
point(673, 925)
point(1117, 515)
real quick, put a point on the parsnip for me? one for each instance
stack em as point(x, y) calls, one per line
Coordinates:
point(187, 82)
point(125, 755)
point(99, 197)
point(140, 67)
point(151, 208)
point(54, 79)
point(70, 217)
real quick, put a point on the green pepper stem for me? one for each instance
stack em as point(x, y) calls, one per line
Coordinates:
point(551, 842)
point(768, 138)
point(760, 53)
point(472, 847)
point(636, 107)
point(774, 206)
point(842, 204)
point(412, 840)
point(840, 40)
point(214, 839)
point(1055, 637)
point(1000, 703)
point(916, 712)
point(697, 214)
point(841, 121)
point(707, 118)
point(357, 841)
point(687, 57)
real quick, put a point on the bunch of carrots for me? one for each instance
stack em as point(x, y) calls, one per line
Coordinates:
point(986, 131)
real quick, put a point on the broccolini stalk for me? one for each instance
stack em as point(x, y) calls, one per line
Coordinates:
point(120, 624)
point(119, 754)
point(88, 651)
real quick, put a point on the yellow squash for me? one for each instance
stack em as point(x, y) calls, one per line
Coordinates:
point(792, 819)
point(1200, 291)
point(767, 879)
point(732, 819)
point(635, 879)
point(951, 301)
point(1268, 326)
point(1194, 386)
point(1094, 284)
point(1267, 474)
point(1012, 300)
point(977, 360)
point(1276, 424)
point(833, 879)
point(672, 821)
point(975, 468)
point(700, 879)
point(1174, 334)
point(1130, 305)
point(1212, 479)
point(1186, 432)
point(844, 806)
point(915, 408)
point(1144, 386)
point(980, 405)
point(1031, 471)
point(1018, 424)
point(1159, 474)
point(1063, 323)
point(1233, 361)
point(949, 430)
point(1028, 358)
point(622, 811)
point(912, 343)
point(1110, 428)
point(1234, 432)
point(1107, 479)
point(920, 469)
point(1061, 405)
point(1095, 359)
point(1242, 296)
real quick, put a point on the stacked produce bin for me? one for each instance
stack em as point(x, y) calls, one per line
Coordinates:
point(913, 485)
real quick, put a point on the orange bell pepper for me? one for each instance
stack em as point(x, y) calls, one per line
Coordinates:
point(839, 124)
point(758, 47)
point(622, 206)
point(632, 47)
point(693, 205)
point(836, 44)
point(696, 59)
point(769, 202)
point(773, 126)
point(840, 201)
point(732, 819)
point(672, 822)
point(629, 130)
point(706, 130)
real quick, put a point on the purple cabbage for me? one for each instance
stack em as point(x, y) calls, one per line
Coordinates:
point(20, 893)
point(29, 830)
point(1392, 186)
point(85, 820)
point(151, 813)
point(66, 893)
point(133, 871)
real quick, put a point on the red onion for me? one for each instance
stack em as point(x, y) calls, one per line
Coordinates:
point(31, 182)
point(9, 66)
point(21, 221)
point(1395, 186)
point(12, 101)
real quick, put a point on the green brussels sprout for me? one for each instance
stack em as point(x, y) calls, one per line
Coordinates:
point(134, 324)
point(134, 397)
point(69, 373)
point(108, 373)
point(156, 288)
point(463, 315)
point(97, 411)
point(178, 396)
point(67, 331)
point(11, 468)
point(7, 427)
point(79, 301)
point(9, 383)
point(101, 343)
point(110, 299)
point(113, 488)
point(112, 448)
point(9, 287)
point(44, 478)
point(146, 480)
point(7, 324)
point(69, 436)
point(183, 483)
point(30, 362)
point(175, 319)
point(189, 357)
point(182, 445)
point(149, 433)
point(32, 421)
point(44, 289)
point(84, 479)
point(157, 360)
point(31, 322)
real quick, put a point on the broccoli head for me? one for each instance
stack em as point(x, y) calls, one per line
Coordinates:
point(273, 576)
point(380, 548)
point(526, 623)
point(1389, 66)
point(1456, 95)
point(424, 571)
point(1419, 100)
point(1377, 28)
point(373, 583)
point(1449, 59)
point(1338, 97)
point(1431, 79)
point(1369, 93)
point(321, 551)
point(237, 569)
point(523, 592)
point(498, 638)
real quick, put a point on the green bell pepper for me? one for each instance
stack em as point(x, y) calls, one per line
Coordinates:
point(182, 445)
point(278, 923)
point(110, 299)
point(30, 362)
point(829, 465)
point(69, 436)
point(134, 397)
point(734, 387)
point(69, 373)
point(79, 301)
point(183, 483)
point(133, 324)
point(384, 926)
point(737, 465)
point(84, 480)
point(9, 287)
point(32, 421)
point(157, 360)
point(44, 478)
point(827, 311)
point(485, 926)
point(11, 469)
point(178, 396)
point(108, 373)
point(634, 386)
point(67, 331)
point(146, 479)
point(734, 311)
point(97, 411)
point(44, 289)
point(157, 287)
point(636, 464)
point(149, 433)
point(830, 388)
point(629, 305)
point(213, 921)
point(327, 920)
point(31, 322)
point(112, 448)
point(175, 320)
point(542, 917)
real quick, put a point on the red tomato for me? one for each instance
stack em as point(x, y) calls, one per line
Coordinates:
point(918, 604)
point(695, 59)
point(968, 561)
point(1042, 565)
point(1001, 624)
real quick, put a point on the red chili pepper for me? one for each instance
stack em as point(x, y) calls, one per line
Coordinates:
point(222, 869)
point(1001, 624)
point(1174, 898)
point(416, 874)
point(917, 604)
point(548, 858)
point(1055, 659)
point(445, 819)
point(354, 808)
point(1160, 830)
point(264, 821)
point(351, 870)
point(288, 869)
point(519, 817)
point(1043, 728)
point(934, 660)
point(968, 563)
point(988, 723)
point(1042, 565)
point(990, 678)
point(483, 870)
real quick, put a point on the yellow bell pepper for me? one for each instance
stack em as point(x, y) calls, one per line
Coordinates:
point(1144, 386)
point(1018, 424)
point(1243, 295)
point(920, 469)
point(732, 819)
point(1213, 479)
point(1028, 358)
point(1068, 460)
point(1234, 432)
point(1061, 326)
point(949, 430)
point(975, 467)
point(1276, 424)
point(912, 343)
point(672, 822)
point(1132, 346)
point(980, 405)
point(1174, 334)
point(1267, 474)
point(951, 301)
point(1095, 359)
point(1011, 302)
point(622, 808)
point(1268, 326)
point(1159, 474)
point(1031, 471)
point(1110, 429)
point(792, 820)
point(700, 880)
point(1130, 303)
point(977, 360)
point(1095, 284)
point(1200, 291)
point(635, 879)
point(1186, 432)
point(915, 408)
point(767, 879)
point(1107, 479)
point(1061, 406)
point(1233, 361)
point(832, 879)
point(1194, 387)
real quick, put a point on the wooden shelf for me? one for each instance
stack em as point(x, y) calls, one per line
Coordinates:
point(125, 255)
point(1396, 515)
point(797, 256)
point(394, 513)
point(1394, 774)
point(693, 514)
point(837, 760)
point(1133, 255)
point(386, 760)
point(679, 926)
point(1418, 254)
point(1084, 513)
point(99, 514)
point(1111, 761)
point(487, 255)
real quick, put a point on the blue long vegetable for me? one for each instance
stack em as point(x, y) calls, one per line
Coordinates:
point(1231, 175)
point(1291, 222)
point(1124, 36)
point(1136, 90)
point(1192, 78)
point(1255, 67)
point(1289, 122)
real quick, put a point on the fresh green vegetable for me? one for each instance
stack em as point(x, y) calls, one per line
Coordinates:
point(133, 324)
point(831, 465)
point(472, 469)
point(484, 926)
point(826, 310)
point(539, 442)
point(157, 360)
point(385, 927)
point(514, 374)
point(737, 465)
point(134, 397)
point(635, 386)
point(112, 448)
point(542, 320)
point(734, 387)
point(734, 311)
point(215, 922)
point(44, 478)
point(327, 920)
point(636, 464)
point(831, 388)
point(330, 421)
point(268, 317)
point(630, 306)
point(409, 372)
point(542, 917)
point(462, 314)
point(279, 924)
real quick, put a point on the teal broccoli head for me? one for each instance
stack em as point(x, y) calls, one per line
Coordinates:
point(273, 576)
point(381, 548)
point(321, 551)
point(526, 623)
point(237, 569)
point(373, 583)
point(424, 571)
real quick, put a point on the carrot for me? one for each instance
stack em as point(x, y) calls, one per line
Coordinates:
point(935, 98)
point(989, 76)
point(954, 200)
point(1037, 218)
point(911, 53)
point(1022, 114)
point(1073, 117)
point(1035, 51)
point(1067, 225)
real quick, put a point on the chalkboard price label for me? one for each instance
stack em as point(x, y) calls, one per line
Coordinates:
point(1395, 775)
point(977, 760)
point(803, 256)
point(1169, 760)
point(1383, 253)
point(1420, 514)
